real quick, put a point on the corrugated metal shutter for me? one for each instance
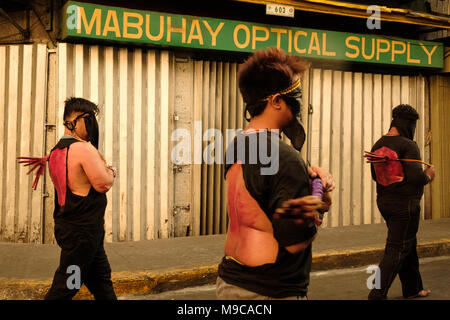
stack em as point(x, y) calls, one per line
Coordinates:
point(133, 91)
point(136, 90)
point(351, 110)
point(22, 115)
point(218, 105)
point(440, 146)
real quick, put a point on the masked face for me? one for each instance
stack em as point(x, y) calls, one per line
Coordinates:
point(295, 131)
point(91, 125)
point(293, 100)
point(86, 127)
point(405, 127)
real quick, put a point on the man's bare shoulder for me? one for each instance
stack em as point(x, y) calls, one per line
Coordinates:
point(82, 148)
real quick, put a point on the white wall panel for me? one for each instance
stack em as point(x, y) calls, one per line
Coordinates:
point(131, 87)
point(22, 113)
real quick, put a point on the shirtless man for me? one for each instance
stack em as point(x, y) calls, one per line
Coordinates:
point(266, 257)
point(81, 179)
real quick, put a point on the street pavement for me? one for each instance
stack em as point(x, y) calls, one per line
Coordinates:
point(337, 284)
point(154, 266)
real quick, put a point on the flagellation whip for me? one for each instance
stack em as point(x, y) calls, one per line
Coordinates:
point(38, 164)
point(378, 158)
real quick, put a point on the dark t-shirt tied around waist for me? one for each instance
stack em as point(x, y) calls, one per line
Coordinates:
point(285, 177)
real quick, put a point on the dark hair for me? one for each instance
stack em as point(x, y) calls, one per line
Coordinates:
point(265, 73)
point(73, 104)
point(405, 111)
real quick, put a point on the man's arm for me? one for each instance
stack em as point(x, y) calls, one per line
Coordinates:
point(413, 170)
point(293, 234)
point(307, 208)
point(100, 177)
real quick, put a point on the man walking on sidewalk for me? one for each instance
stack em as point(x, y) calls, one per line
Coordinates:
point(265, 257)
point(81, 178)
point(400, 186)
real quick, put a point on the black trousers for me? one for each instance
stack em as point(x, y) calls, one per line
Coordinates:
point(400, 255)
point(83, 256)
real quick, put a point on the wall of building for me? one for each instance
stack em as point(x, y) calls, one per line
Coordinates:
point(146, 94)
point(22, 127)
point(350, 112)
point(440, 146)
point(144, 97)
point(134, 89)
point(439, 7)
point(36, 17)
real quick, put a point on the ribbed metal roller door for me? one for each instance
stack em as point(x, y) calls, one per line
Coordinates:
point(350, 111)
point(218, 106)
point(23, 87)
point(134, 92)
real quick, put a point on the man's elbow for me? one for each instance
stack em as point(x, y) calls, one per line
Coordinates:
point(102, 188)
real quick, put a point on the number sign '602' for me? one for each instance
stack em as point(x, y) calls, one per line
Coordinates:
point(280, 10)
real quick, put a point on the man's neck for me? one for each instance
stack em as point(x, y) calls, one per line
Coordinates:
point(393, 132)
point(262, 123)
point(68, 133)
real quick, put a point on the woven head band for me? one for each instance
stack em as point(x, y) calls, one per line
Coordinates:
point(291, 88)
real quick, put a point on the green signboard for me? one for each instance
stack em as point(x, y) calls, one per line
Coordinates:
point(83, 20)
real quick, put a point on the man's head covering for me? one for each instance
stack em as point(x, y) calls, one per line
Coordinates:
point(404, 118)
point(89, 111)
point(91, 124)
point(92, 129)
point(271, 72)
point(292, 95)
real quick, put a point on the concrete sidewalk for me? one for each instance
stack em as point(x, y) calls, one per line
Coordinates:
point(26, 270)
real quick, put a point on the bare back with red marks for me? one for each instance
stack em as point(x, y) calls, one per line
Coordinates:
point(250, 237)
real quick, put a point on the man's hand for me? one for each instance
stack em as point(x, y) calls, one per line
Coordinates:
point(303, 210)
point(327, 179)
point(326, 200)
point(429, 171)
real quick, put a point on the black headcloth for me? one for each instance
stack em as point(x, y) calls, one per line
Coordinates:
point(91, 125)
point(404, 118)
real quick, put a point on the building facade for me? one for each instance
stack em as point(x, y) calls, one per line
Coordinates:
point(165, 82)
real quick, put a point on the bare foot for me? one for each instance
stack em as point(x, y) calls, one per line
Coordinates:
point(420, 294)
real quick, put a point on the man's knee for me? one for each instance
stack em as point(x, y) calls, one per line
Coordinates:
point(408, 247)
point(393, 248)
